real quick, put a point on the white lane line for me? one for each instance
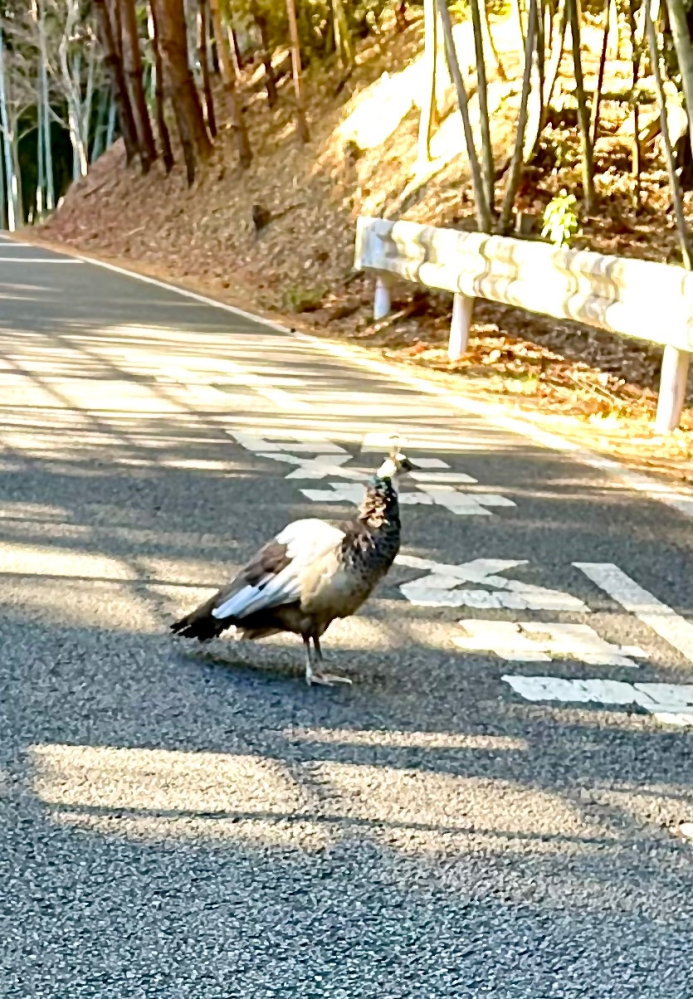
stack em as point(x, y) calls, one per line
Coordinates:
point(656, 615)
point(493, 414)
point(40, 260)
point(670, 703)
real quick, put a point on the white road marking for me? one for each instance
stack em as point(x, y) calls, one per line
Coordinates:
point(307, 442)
point(439, 588)
point(433, 486)
point(669, 703)
point(203, 388)
point(529, 641)
point(656, 615)
point(462, 504)
point(39, 260)
point(344, 492)
point(317, 468)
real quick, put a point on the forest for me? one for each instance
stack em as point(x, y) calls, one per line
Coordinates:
point(234, 142)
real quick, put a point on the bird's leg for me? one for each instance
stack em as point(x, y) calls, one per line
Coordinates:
point(309, 659)
point(326, 679)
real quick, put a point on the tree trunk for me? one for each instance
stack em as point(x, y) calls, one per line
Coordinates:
point(583, 112)
point(636, 153)
point(132, 60)
point(10, 178)
point(40, 161)
point(98, 143)
point(180, 85)
point(600, 75)
point(228, 75)
point(110, 128)
point(301, 123)
point(557, 46)
point(517, 10)
point(684, 238)
point(236, 58)
point(266, 55)
point(39, 15)
point(114, 69)
point(430, 66)
point(203, 59)
point(490, 44)
point(88, 100)
point(342, 35)
point(684, 53)
point(483, 213)
point(515, 171)
point(159, 94)
point(487, 167)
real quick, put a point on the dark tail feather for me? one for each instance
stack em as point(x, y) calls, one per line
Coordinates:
point(200, 624)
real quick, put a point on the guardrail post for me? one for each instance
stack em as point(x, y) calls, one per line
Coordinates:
point(672, 389)
point(462, 306)
point(382, 301)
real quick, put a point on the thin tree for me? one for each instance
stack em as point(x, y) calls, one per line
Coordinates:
point(132, 60)
point(180, 85)
point(483, 213)
point(342, 35)
point(490, 44)
point(600, 74)
point(427, 121)
point(487, 167)
point(159, 92)
point(636, 168)
point(114, 69)
point(265, 52)
point(228, 76)
point(515, 171)
point(301, 123)
point(583, 112)
point(560, 21)
point(12, 192)
point(677, 201)
point(37, 14)
point(234, 49)
point(203, 59)
point(684, 53)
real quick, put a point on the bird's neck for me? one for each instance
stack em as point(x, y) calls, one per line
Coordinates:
point(380, 508)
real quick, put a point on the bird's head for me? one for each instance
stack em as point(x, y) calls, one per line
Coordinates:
point(395, 464)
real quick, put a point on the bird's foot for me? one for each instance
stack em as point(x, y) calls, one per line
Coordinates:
point(326, 679)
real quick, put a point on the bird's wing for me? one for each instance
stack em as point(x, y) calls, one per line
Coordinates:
point(273, 577)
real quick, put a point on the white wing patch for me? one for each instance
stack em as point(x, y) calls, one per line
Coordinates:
point(305, 540)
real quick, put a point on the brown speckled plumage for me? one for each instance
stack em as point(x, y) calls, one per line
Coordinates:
point(309, 575)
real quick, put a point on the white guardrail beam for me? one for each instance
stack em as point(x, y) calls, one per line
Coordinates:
point(637, 298)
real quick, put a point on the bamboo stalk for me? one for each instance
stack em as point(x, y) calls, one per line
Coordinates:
point(583, 113)
point(483, 213)
point(487, 166)
point(666, 142)
point(517, 158)
point(301, 123)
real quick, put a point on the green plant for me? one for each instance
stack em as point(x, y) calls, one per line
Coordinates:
point(560, 221)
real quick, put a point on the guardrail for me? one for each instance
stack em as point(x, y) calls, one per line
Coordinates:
point(637, 298)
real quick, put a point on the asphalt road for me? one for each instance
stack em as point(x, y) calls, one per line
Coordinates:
point(187, 823)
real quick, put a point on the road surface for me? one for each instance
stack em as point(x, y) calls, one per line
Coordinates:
point(492, 809)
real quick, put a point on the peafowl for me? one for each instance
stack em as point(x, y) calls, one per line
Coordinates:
point(309, 574)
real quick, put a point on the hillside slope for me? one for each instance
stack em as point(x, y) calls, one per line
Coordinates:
point(363, 159)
